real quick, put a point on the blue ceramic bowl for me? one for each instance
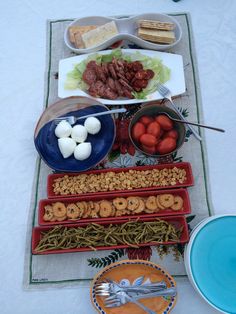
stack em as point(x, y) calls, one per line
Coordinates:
point(46, 141)
point(210, 260)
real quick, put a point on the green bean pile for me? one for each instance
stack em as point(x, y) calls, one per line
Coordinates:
point(131, 233)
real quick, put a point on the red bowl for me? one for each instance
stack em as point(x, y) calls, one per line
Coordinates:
point(177, 222)
point(183, 165)
point(98, 197)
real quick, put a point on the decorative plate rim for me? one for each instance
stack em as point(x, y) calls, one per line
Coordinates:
point(136, 261)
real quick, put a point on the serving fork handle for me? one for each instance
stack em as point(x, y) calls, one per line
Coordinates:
point(195, 133)
point(146, 309)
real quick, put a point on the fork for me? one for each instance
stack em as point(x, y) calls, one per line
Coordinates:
point(72, 119)
point(122, 298)
point(165, 92)
point(193, 123)
point(106, 288)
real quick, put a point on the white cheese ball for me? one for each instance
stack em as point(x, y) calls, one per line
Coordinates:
point(83, 151)
point(66, 146)
point(63, 129)
point(93, 125)
point(79, 133)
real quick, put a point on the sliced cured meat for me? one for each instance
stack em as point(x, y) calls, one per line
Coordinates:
point(150, 74)
point(125, 84)
point(105, 69)
point(111, 84)
point(136, 66)
point(117, 78)
point(100, 73)
point(140, 83)
point(110, 94)
point(141, 75)
point(89, 76)
point(112, 71)
point(118, 88)
point(127, 93)
point(123, 77)
point(97, 89)
point(92, 65)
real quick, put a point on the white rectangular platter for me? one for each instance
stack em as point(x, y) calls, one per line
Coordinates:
point(176, 84)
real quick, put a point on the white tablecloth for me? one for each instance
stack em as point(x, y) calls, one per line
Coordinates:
point(22, 60)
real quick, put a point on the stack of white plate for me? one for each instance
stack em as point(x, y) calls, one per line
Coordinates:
point(210, 261)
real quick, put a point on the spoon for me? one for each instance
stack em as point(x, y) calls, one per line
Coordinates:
point(193, 123)
point(73, 119)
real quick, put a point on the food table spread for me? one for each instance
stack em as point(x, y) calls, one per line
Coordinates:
point(212, 28)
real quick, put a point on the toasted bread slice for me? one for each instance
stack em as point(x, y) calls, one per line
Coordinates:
point(79, 29)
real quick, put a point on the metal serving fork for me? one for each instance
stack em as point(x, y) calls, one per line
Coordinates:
point(114, 300)
point(111, 287)
point(121, 298)
point(165, 92)
point(193, 123)
point(73, 119)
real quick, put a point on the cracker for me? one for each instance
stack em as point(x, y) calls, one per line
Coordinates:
point(157, 36)
point(156, 25)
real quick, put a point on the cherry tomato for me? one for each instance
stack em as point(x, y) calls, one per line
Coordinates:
point(149, 149)
point(148, 140)
point(154, 129)
point(166, 145)
point(171, 133)
point(146, 120)
point(138, 130)
point(165, 123)
point(131, 149)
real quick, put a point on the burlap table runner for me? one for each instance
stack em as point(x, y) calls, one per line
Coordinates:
point(79, 268)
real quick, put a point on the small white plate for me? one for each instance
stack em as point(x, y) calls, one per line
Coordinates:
point(176, 84)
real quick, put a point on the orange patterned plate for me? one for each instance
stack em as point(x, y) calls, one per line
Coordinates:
point(134, 272)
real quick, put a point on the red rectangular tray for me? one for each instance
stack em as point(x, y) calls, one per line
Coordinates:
point(98, 197)
point(177, 221)
point(183, 165)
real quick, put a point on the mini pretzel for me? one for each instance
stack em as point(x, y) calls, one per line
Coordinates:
point(81, 208)
point(151, 203)
point(94, 214)
point(73, 211)
point(59, 209)
point(166, 200)
point(158, 202)
point(105, 208)
point(141, 207)
point(96, 207)
point(61, 218)
point(48, 214)
point(120, 203)
point(132, 203)
point(178, 203)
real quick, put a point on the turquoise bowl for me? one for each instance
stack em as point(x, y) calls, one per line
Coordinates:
point(210, 260)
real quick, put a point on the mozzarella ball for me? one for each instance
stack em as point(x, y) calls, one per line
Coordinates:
point(63, 129)
point(79, 133)
point(83, 151)
point(93, 125)
point(66, 146)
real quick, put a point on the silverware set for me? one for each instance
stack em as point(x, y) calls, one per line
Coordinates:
point(117, 295)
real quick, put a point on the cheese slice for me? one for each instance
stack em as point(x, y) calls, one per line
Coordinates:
point(99, 35)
